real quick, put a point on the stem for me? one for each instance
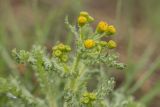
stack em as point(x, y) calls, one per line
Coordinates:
point(81, 36)
point(90, 105)
point(65, 67)
point(51, 96)
point(100, 36)
point(51, 101)
point(73, 71)
point(76, 63)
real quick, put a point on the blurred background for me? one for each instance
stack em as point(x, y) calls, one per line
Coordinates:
point(27, 22)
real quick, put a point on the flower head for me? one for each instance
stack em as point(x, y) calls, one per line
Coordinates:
point(102, 27)
point(64, 58)
point(112, 44)
point(82, 20)
point(68, 48)
point(57, 53)
point(61, 46)
point(89, 43)
point(111, 30)
point(88, 97)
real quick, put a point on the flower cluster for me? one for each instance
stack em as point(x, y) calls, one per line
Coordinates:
point(103, 27)
point(84, 18)
point(61, 52)
point(90, 43)
point(88, 97)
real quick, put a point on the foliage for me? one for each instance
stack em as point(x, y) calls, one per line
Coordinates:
point(63, 78)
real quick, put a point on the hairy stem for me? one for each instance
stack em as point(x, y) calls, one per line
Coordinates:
point(76, 63)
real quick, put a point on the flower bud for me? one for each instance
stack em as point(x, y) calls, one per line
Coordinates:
point(82, 20)
point(61, 46)
point(103, 43)
point(92, 96)
point(111, 30)
point(57, 53)
point(86, 94)
point(67, 48)
point(85, 14)
point(90, 19)
point(102, 27)
point(64, 58)
point(112, 44)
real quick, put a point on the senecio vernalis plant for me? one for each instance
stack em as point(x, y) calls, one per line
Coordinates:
point(74, 77)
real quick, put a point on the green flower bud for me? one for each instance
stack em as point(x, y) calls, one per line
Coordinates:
point(112, 44)
point(64, 58)
point(88, 97)
point(103, 43)
point(57, 53)
point(92, 96)
point(86, 94)
point(67, 48)
point(111, 30)
point(87, 16)
point(61, 47)
point(90, 19)
point(83, 13)
point(85, 100)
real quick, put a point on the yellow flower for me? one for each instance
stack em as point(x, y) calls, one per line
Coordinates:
point(111, 30)
point(82, 20)
point(89, 43)
point(112, 44)
point(102, 26)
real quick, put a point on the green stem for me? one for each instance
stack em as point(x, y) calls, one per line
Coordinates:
point(50, 95)
point(81, 36)
point(90, 105)
point(76, 63)
point(65, 67)
point(100, 36)
point(51, 101)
